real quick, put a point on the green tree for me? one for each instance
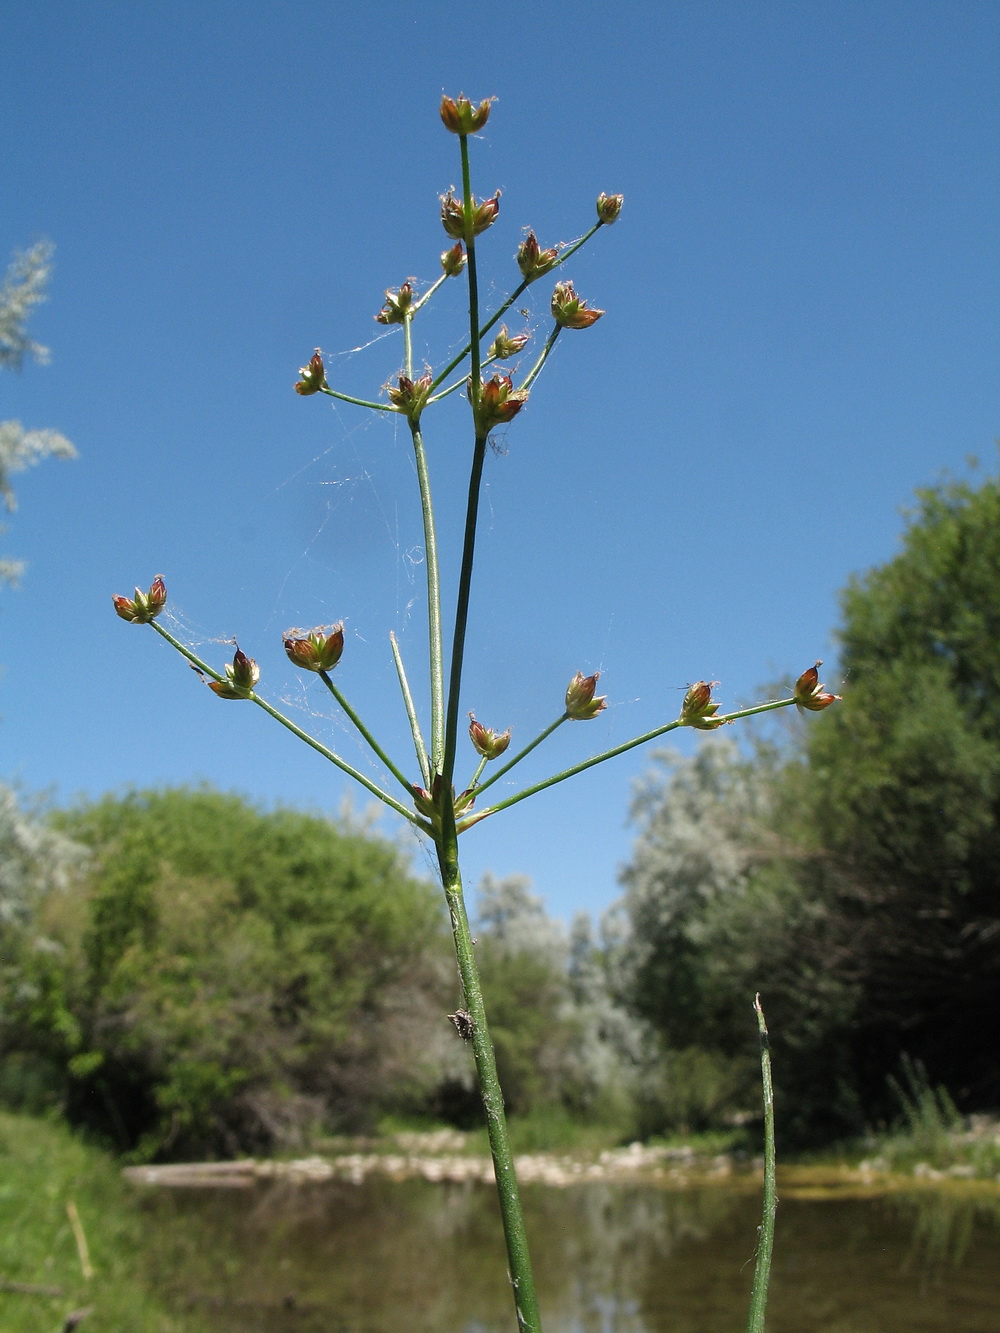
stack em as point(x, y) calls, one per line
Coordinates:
point(22, 289)
point(851, 876)
point(224, 978)
point(905, 781)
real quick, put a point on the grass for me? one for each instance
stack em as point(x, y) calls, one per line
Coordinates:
point(44, 1168)
point(930, 1139)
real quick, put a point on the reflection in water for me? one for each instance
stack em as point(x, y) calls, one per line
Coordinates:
point(382, 1257)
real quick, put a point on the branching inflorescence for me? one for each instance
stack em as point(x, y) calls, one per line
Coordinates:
point(427, 797)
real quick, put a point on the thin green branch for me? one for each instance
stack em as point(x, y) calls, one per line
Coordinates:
point(611, 754)
point(311, 741)
point(428, 294)
point(521, 754)
point(479, 772)
point(401, 778)
point(408, 345)
point(411, 712)
point(765, 1245)
point(435, 636)
point(475, 338)
point(475, 482)
point(358, 402)
point(462, 609)
point(535, 370)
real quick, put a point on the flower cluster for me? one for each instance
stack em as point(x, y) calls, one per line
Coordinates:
point(461, 117)
point(144, 606)
point(532, 260)
point(506, 345)
point(242, 674)
point(397, 305)
point(487, 742)
point(499, 401)
point(461, 226)
point(313, 376)
point(580, 702)
point(810, 693)
point(699, 708)
point(316, 649)
point(569, 311)
point(410, 396)
point(609, 207)
point(453, 260)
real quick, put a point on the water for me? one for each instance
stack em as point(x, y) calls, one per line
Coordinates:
point(415, 1257)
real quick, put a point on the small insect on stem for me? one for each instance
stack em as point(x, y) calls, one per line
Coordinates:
point(463, 1023)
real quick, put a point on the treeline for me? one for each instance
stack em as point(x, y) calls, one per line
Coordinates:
point(184, 973)
point(851, 874)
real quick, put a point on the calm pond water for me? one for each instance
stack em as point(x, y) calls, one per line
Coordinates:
point(415, 1257)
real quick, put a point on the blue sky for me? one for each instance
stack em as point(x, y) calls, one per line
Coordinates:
point(802, 303)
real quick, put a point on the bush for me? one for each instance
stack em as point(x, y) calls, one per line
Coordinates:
point(221, 978)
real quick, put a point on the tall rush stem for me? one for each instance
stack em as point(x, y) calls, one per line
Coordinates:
point(515, 1236)
point(434, 635)
point(446, 838)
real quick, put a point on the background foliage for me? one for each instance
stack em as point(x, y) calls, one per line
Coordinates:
point(219, 977)
point(852, 877)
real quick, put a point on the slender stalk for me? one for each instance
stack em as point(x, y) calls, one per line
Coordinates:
point(765, 1246)
point(411, 712)
point(521, 754)
point(515, 1236)
point(408, 345)
point(533, 373)
point(358, 402)
point(428, 294)
point(610, 754)
point(475, 337)
point(400, 777)
point(434, 634)
point(462, 609)
point(475, 482)
point(479, 771)
point(295, 730)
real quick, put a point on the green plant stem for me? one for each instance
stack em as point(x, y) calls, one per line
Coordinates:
point(515, 1236)
point(475, 337)
point(611, 754)
point(479, 772)
point(518, 290)
point(401, 778)
point(435, 643)
point(475, 483)
point(428, 294)
point(411, 712)
point(765, 1246)
point(358, 402)
point(462, 609)
point(408, 345)
point(533, 373)
point(311, 741)
point(542, 735)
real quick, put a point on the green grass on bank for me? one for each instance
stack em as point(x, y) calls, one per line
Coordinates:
point(43, 1167)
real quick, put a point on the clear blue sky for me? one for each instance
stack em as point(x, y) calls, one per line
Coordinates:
point(802, 302)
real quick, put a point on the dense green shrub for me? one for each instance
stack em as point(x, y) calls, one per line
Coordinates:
point(222, 978)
